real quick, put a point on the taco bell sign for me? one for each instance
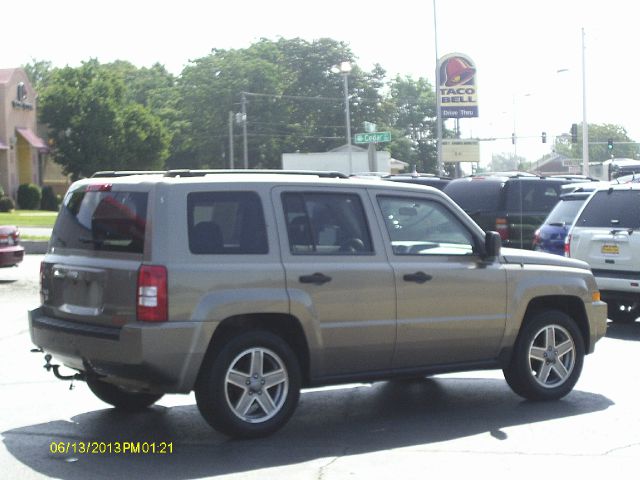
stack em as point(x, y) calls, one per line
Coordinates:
point(457, 87)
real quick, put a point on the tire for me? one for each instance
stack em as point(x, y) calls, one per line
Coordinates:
point(622, 313)
point(120, 398)
point(251, 387)
point(547, 358)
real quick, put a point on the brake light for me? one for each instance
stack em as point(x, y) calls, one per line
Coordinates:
point(502, 227)
point(42, 296)
point(567, 246)
point(152, 294)
point(98, 187)
point(536, 238)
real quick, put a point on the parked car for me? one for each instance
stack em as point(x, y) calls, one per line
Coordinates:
point(606, 234)
point(514, 205)
point(553, 231)
point(247, 287)
point(11, 252)
point(619, 167)
point(420, 179)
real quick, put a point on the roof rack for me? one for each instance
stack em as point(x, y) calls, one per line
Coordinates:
point(202, 173)
point(125, 173)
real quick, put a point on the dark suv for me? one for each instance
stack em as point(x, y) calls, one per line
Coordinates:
point(514, 205)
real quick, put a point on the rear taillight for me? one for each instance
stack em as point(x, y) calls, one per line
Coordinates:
point(151, 297)
point(42, 296)
point(567, 246)
point(502, 227)
point(536, 238)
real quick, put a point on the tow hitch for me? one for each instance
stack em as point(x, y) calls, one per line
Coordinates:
point(48, 366)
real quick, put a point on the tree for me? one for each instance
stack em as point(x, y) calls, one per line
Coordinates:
point(95, 125)
point(39, 73)
point(599, 134)
point(411, 106)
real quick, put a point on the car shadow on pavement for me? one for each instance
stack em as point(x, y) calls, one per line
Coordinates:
point(327, 424)
point(624, 331)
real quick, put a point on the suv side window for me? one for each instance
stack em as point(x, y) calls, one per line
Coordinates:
point(226, 223)
point(326, 224)
point(424, 227)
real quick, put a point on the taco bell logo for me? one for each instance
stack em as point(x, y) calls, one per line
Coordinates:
point(457, 86)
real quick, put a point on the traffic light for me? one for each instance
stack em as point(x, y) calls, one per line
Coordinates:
point(610, 144)
point(574, 133)
point(513, 138)
point(544, 137)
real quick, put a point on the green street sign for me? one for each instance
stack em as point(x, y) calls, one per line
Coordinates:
point(374, 137)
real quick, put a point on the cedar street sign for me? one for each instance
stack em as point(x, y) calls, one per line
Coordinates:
point(374, 137)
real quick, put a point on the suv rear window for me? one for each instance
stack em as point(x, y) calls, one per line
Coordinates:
point(226, 223)
point(612, 208)
point(483, 197)
point(532, 196)
point(102, 221)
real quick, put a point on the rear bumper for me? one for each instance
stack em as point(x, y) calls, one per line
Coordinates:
point(162, 358)
point(11, 255)
point(622, 282)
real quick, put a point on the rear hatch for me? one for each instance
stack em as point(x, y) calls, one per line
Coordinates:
point(96, 249)
point(607, 233)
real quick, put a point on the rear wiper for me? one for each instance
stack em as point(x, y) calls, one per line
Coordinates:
point(557, 224)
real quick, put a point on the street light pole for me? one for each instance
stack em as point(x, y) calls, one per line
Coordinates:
point(585, 125)
point(345, 69)
point(439, 164)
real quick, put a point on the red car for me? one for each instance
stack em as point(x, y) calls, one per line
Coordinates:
point(11, 252)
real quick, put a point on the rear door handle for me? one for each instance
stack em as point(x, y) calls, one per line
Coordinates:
point(418, 277)
point(316, 278)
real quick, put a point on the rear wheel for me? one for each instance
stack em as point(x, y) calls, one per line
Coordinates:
point(121, 399)
point(251, 387)
point(547, 358)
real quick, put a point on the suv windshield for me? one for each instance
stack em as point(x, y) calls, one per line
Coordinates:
point(612, 208)
point(102, 221)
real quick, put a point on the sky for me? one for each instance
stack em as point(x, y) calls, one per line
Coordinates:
point(518, 47)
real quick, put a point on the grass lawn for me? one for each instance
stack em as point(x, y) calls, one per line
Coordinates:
point(28, 218)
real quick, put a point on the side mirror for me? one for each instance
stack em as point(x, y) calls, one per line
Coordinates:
point(492, 244)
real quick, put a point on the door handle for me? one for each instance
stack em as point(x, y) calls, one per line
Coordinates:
point(316, 278)
point(418, 277)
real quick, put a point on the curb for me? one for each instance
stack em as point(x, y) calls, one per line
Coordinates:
point(32, 247)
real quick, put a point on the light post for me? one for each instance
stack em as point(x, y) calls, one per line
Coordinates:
point(585, 125)
point(345, 69)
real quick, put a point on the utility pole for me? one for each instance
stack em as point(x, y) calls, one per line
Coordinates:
point(438, 105)
point(231, 157)
point(244, 131)
point(585, 125)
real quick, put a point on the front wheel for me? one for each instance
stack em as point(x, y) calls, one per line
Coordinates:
point(251, 387)
point(121, 399)
point(547, 358)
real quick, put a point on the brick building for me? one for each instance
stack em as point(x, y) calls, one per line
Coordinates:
point(22, 151)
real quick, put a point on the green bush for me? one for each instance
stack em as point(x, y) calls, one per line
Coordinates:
point(50, 201)
point(29, 196)
point(6, 204)
point(1, 191)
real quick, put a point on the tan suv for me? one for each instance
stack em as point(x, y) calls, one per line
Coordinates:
point(247, 287)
